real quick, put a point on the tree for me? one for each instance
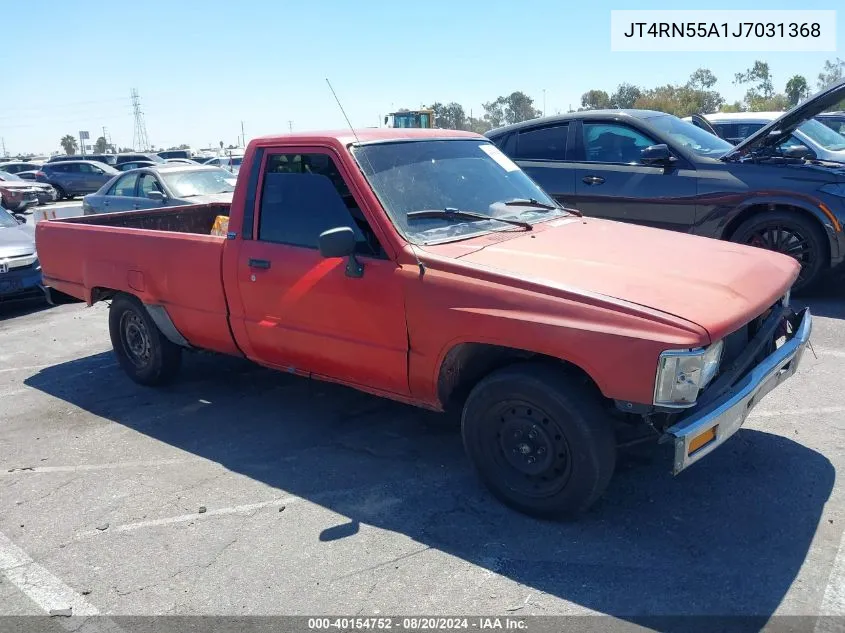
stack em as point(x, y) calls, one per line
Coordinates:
point(479, 126)
point(595, 100)
point(736, 106)
point(626, 96)
point(519, 107)
point(702, 79)
point(797, 89)
point(69, 144)
point(831, 73)
point(450, 116)
point(494, 112)
point(760, 79)
point(101, 145)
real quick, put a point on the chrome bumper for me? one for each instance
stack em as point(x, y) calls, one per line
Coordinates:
point(727, 414)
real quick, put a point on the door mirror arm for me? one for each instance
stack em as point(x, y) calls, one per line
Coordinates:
point(340, 242)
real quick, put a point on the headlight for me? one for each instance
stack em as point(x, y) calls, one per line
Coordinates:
point(681, 374)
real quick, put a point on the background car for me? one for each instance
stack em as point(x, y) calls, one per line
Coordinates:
point(834, 120)
point(230, 163)
point(134, 158)
point(180, 161)
point(652, 168)
point(17, 167)
point(136, 164)
point(176, 153)
point(75, 178)
point(18, 196)
point(820, 140)
point(45, 192)
point(108, 159)
point(163, 186)
point(20, 270)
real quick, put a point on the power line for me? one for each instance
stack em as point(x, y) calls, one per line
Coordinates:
point(139, 135)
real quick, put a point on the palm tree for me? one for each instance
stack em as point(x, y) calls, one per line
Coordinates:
point(69, 144)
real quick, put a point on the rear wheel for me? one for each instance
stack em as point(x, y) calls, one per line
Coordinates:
point(60, 193)
point(142, 350)
point(791, 234)
point(539, 440)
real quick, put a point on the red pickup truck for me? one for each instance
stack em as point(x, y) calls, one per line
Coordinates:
point(425, 266)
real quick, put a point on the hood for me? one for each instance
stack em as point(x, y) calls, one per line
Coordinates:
point(17, 240)
point(717, 285)
point(17, 184)
point(209, 199)
point(779, 129)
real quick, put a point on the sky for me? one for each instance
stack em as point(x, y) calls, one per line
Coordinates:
point(201, 67)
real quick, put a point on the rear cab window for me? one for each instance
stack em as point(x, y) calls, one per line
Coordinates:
point(546, 143)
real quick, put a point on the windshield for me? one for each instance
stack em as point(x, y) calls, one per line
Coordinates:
point(823, 135)
point(7, 221)
point(206, 182)
point(464, 175)
point(690, 136)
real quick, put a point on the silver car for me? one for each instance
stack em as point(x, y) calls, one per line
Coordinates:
point(161, 186)
point(20, 271)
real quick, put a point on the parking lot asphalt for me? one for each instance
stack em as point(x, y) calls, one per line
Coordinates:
point(239, 490)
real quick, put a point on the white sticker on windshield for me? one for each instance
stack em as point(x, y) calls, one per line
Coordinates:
point(496, 154)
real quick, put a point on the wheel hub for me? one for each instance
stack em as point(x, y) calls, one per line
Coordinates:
point(526, 445)
point(136, 339)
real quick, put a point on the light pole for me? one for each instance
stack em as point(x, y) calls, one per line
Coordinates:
point(544, 102)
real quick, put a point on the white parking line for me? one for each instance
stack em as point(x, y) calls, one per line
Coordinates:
point(833, 602)
point(107, 466)
point(787, 412)
point(183, 518)
point(38, 584)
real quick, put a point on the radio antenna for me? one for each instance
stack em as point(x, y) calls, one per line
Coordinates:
point(358, 142)
point(355, 134)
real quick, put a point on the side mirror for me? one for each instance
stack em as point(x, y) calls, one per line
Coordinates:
point(158, 196)
point(657, 156)
point(340, 242)
point(20, 218)
point(797, 151)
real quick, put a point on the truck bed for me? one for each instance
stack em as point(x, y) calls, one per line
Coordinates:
point(145, 253)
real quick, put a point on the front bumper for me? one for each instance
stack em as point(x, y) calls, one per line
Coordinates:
point(720, 419)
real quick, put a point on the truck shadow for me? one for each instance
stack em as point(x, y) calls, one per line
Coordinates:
point(727, 537)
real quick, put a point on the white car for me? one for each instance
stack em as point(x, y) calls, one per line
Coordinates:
point(822, 142)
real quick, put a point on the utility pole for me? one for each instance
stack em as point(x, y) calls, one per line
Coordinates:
point(544, 102)
point(243, 136)
point(290, 127)
point(3, 143)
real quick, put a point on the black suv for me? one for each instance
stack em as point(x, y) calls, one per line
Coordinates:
point(653, 168)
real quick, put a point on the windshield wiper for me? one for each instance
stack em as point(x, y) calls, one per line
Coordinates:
point(530, 202)
point(456, 214)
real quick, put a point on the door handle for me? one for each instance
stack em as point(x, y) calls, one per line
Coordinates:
point(259, 263)
point(593, 180)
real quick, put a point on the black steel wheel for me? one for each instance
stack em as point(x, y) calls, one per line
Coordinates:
point(141, 349)
point(539, 439)
point(790, 234)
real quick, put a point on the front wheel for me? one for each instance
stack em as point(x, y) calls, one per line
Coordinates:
point(791, 234)
point(539, 439)
point(141, 349)
point(60, 193)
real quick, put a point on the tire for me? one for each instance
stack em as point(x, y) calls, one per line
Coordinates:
point(791, 234)
point(60, 193)
point(539, 440)
point(141, 349)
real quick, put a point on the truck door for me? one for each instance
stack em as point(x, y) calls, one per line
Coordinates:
point(302, 312)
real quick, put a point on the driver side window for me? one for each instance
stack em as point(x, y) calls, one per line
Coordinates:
point(613, 143)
